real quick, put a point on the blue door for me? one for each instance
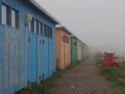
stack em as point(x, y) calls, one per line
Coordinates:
point(32, 58)
point(10, 61)
point(6, 65)
point(1, 75)
point(23, 59)
point(51, 55)
point(40, 58)
point(46, 57)
point(14, 60)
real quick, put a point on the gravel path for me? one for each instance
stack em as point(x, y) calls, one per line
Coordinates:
point(84, 79)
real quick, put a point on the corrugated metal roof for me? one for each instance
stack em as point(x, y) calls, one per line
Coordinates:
point(44, 11)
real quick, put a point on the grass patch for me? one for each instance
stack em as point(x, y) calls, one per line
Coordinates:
point(45, 86)
point(115, 76)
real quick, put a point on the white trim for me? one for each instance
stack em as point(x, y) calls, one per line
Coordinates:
point(44, 11)
point(13, 12)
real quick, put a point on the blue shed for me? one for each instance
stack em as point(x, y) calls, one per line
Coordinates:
point(27, 44)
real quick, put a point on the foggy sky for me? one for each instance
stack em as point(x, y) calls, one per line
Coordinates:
point(98, 23)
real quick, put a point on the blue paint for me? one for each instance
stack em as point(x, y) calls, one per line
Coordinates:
point(0, 12)
point(32, 58)
point(46, 58)
point(23, 60)
point(52, 54)
point(40, 55)
point(23, 72)
point(1, 80)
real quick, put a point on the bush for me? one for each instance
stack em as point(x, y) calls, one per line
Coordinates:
point(112, 71)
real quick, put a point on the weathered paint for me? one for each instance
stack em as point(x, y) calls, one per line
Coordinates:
point(13, 71)
point(46, 57)
point(32, 58)
point(23, 58)
point(73, 49)
point(62, 48)
point(40, 55)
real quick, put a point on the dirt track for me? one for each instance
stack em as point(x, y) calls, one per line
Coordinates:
point(84, 79)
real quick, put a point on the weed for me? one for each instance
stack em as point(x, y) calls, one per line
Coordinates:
point(112, 74)
point(45, 86)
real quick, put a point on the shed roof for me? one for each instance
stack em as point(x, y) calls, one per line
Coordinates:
point(35, 4)
point(64, 28)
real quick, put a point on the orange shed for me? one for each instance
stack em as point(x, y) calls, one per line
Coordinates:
point(62, 47)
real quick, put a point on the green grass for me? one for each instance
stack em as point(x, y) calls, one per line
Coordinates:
point(112, 74)
point(45, 86)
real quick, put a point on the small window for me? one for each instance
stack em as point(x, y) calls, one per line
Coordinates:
point(32, 26)
point(48, 32)
point(51, 33)
point(75, 44)
point(15, 18)
point(41, 29)
point(45, 30)
point(37, 27)
point(65, 39)
point(4, 14)
point(29, 28)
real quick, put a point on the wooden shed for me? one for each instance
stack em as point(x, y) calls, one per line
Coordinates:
point(62, 47)
point(27, 44)
point(74, 49)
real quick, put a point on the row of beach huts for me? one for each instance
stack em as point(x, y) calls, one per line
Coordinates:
point(32, 47)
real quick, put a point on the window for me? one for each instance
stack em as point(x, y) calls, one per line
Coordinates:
point(37, 27)
point(32, 26)
point(65, 39)
point(75, 43)
point(15, 18)
point(6, 19)
point(51, 33)
point(47, 31)
point(41, 29)
point(29, 28)
point(4, 14)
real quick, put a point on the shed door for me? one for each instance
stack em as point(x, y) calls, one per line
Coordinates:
point(74, 51)
point(51, 54)
point(46, 52)
point(40, 53)
point(49, 62)
point(40, 60)
point(32, 58)
point(1, 76)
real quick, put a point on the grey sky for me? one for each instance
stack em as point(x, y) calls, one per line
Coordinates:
point(98, 23)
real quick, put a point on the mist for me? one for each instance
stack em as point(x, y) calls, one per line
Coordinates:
point(98, 23)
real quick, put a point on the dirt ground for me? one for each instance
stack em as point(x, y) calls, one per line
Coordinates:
point(84, 79)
